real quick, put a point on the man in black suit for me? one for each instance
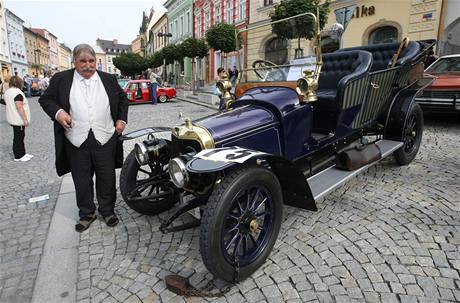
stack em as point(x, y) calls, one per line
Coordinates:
point(89, 110)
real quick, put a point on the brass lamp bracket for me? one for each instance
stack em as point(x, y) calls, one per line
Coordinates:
point(223, 87)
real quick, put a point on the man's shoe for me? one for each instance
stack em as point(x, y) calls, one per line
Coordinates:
point(111, 220)
point(22, 159)
point(84, 223)
point(29, 156)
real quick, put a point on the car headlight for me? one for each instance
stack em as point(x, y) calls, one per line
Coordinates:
point(141, 153)
point(177, 172)
point(302, 86)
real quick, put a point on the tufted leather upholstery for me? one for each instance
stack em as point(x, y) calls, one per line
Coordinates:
point(383, 53)
point(343, 66)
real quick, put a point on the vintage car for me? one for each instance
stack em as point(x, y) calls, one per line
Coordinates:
point(444, 94)
point(138, 91)
point(277, 142)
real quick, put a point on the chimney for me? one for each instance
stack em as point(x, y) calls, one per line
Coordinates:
point(115, 41)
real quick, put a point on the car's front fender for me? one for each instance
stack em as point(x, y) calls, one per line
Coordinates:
point(296, 191)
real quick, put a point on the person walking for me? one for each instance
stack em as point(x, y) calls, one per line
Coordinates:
point(153, 86)
point(89, 110)
point(18, 116)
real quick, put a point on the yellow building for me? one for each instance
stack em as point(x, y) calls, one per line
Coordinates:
point(381, 21)
point(65, 57)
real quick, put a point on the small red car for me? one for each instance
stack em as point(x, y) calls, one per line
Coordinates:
point(138, 91)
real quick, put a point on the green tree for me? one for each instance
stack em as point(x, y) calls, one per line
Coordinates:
point(155, 60)
point(193, 47)
point(221, 36)
point(130, 64)
point(171, 53)
point(302, 27)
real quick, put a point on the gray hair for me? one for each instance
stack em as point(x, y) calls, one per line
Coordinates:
point(83, 48)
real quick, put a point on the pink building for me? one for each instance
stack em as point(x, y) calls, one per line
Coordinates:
point(206, 14)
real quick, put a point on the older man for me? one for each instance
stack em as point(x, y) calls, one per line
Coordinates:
point(89, 110)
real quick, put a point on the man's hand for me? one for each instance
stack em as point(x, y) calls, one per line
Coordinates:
point(120, 126)
point(64, 119)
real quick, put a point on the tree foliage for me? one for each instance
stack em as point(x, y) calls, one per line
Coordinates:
point(155, 60)
point(130, 64)
point(171, 53)
point(193, 47)
point(221, 36)
point(302, 27)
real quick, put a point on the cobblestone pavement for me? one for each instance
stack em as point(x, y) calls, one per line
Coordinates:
point(389, 235)
point(23, 225)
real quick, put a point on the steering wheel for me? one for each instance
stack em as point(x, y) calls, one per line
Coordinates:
point(268, 71)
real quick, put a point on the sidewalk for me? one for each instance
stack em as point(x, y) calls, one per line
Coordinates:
point(202, 97)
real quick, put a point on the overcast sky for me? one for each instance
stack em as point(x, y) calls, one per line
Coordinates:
point(83, 21)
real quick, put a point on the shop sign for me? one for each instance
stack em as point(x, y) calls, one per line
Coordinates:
point(363, 11)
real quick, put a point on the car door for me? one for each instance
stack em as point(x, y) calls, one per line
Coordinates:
point(145, 86)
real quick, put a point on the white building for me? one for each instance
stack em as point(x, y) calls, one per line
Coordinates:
point(18, 50)
point(5, 59)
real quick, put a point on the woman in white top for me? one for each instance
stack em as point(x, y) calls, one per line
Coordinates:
point(18, 116)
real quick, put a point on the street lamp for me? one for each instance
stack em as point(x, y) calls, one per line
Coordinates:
point(165, 36)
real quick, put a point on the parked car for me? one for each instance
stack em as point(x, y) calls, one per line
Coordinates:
point(444, 94)
point(138, 91)
point(277, 142)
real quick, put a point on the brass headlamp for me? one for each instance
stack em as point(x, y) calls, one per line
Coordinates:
point(308, 84)
point(223, 87)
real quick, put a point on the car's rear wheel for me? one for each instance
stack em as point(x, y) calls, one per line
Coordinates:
point(147, 189)
point(162, 98)
point(241, 222)
point(412, 136)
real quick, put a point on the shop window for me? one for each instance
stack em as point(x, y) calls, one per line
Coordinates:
point(276, 51)
point(384, 34)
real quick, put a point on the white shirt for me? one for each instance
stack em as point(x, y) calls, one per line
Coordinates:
point(12, 115)
point(89, 109)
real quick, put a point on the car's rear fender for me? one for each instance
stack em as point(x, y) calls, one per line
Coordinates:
point(295, 188)
point(399, 108)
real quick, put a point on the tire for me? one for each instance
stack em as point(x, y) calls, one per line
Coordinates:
point(412, 136)
point(162, 192)
point(219, 227)
point(162, 98)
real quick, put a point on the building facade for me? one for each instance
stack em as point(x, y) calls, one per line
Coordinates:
point(30, 39)
point(112, 50)
point(65, 57)
point(158, 38)
point(14, 26)
point(208, 13)
point(5, 58)
point(180, 25)
point(101, 60)
point(154, 17)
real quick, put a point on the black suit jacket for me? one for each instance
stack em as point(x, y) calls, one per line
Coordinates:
point(57, 97)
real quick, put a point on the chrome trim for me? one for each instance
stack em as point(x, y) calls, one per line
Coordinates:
point(144, 152)
point(182, 168)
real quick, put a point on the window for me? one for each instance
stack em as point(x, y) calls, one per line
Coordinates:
point(242, 10)
point(218, 13)
point(176, 32)
point(268, 2)
point(187, 20)
point(276, 51)
point(207, 18)
point(181, 31)
point(229, 11)
point(110, 70)
point(198, 25)
point(384, 34)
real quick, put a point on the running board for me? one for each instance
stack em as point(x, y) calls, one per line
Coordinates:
point(331, 178)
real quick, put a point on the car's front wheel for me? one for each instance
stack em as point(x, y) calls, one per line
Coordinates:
point(412, 136)
point(147, 189)
point(162, 98)
point(241, 222)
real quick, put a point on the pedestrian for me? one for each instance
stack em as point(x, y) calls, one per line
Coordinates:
point(18, 116)
point(89, 110)
point(430, 58)
point(28, 83)
point(233, 75)
point(153, 86)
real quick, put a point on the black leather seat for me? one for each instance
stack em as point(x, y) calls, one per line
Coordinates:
point(338, 70)
point(383, 53)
